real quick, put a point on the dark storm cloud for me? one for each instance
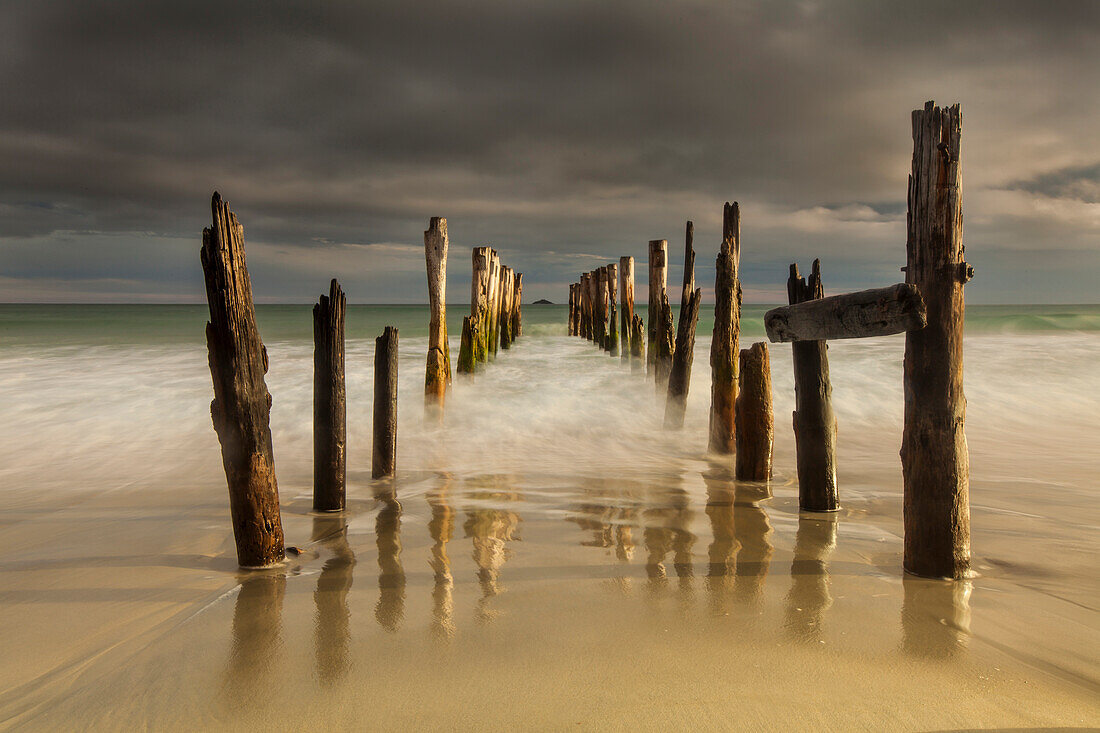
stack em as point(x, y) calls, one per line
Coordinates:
point(578, 128)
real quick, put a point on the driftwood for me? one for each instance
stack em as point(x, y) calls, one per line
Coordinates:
point(612, 345)
point(329, 402)
point(437, 373)
point(241, 406)
point(517, 299)
point(658, 283)
point(467, 358)
point(814, 422)
point(679, 378)
point(934, 458)
point(755, 421)
point(727, 329)
point(877, 312)
point(637, 345)
point(665, 346)
point(479, 301)
point(626, 304)
point(384, 454)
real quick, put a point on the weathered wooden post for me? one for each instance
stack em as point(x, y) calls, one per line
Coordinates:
point(658, 281)
point(755, 421)
point(494, 305)
point(467, 352)
point(572, 310)
point(679, 378)
point(602, 295)
point(626, 303)
point(934, 457)
point(384, 455)
point(727, 328)
point(586, 306)
point(612, 345)
point(517, 306)
point(479, 302)
point(241, 407)
point(505, 307)
point(437, 373)
point(329, 402)
point(637, 345)
point(689, 268)
point(665, 346)
point(814, 422)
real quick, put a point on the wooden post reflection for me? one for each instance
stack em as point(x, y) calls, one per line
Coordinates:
point(490, 529)
point(752, 531)
point(391, 576)
point(332, 629)
point(668, 529)
point(722, 552)
point(441, 528)
point(935, 616)
point(809, 596)
point(257, 635)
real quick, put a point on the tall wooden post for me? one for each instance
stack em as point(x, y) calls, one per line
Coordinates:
point(602, 299)
point(494, 305)
point(479, 302)
point(658, 282)
point(437, 373)
point(665, 346)
point(517, 306)
point(594, 306)
point(505, 307)
point(637, 345)
point(570, 316)
point(755, 420)
point(586, 305)
point(934, 458)
point(467, 352)
point(612, 345)
point(384, 454)
point(626, 303)
point(689, 268)
point(814, 421)
point(727, 328)
point(329, 402)
point(242, 405)
point(679, 378)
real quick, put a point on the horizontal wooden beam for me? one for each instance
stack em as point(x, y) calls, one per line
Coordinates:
point(877, 312)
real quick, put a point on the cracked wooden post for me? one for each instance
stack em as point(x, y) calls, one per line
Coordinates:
point(612, 344)
point(586, 305)
point(626, 305)
point(572, 293)
point(593, 306)
point(814, 421)
point(242, 405)
point(665, 346)
point(479, 302)
point(467, 351)
point(637, 345)
point(679, 378)
point(493, 330)
point(658, 281)
point(437, 374)
point(384, 454)
point(602, 293)
point(689, 268)
point(934, 457)
point(727, 329)
point(505, 318)
point(517, 306)
point(329, 402)
point(755, 420)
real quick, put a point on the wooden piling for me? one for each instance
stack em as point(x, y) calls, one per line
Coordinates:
point(679, 378)
point(603, 300)
point(626, 304)
point(689, 268)
point(241, 407)
point(612, 344)
point(934, 456)
point(665, 346)
point(727, 328)
point(505, 318)
point(493, 331)
point(572, 310)
point(637, 345)
point(517, 306)
point(437, 373)
point(329, 402)
point(586, 305)
point(658, 281)
point(814, 421)
point(479, 302)
point(384, 454)
point(755, 420)
point(467, 352)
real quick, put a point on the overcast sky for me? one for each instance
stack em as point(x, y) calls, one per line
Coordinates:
point(563, 133)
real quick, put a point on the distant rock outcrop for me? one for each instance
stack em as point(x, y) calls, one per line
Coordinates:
point(544, 301)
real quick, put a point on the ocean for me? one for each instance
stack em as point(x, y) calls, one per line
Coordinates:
point(554, 549)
